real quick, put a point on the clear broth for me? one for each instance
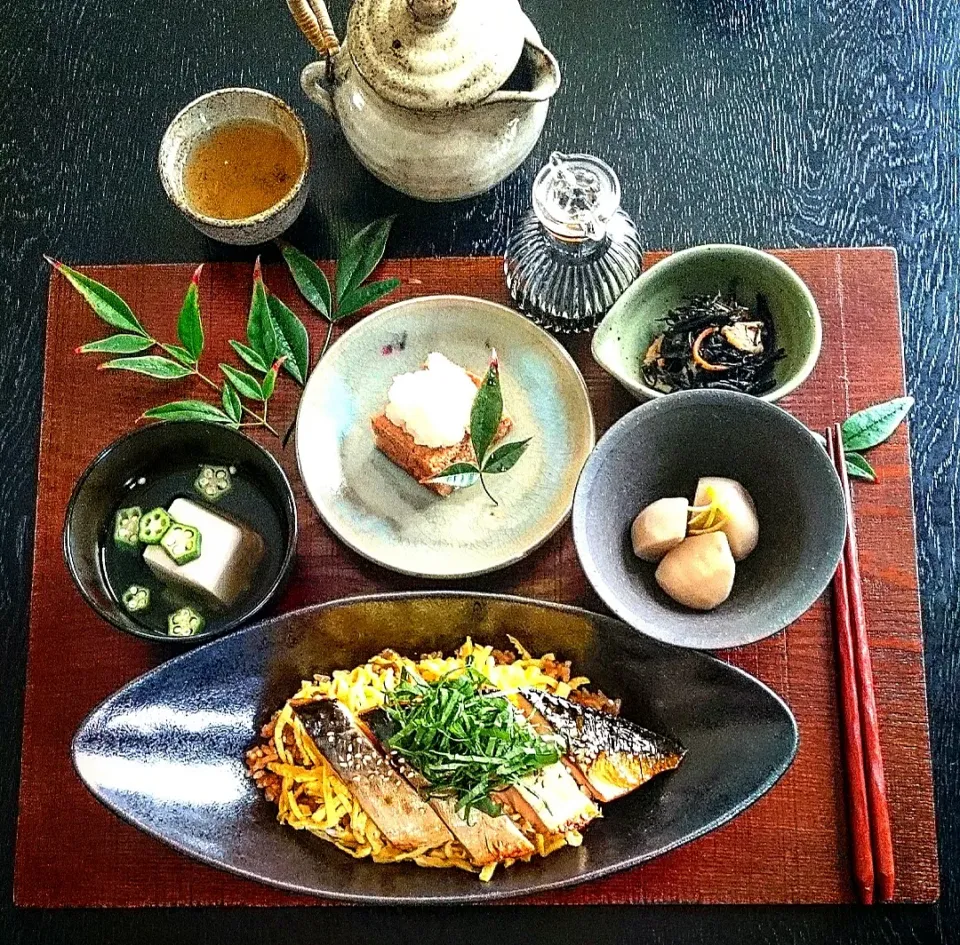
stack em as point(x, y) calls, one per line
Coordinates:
point(240, 169)
point(245, 504)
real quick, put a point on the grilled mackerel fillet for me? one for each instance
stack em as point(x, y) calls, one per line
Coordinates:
point(406, 821)
point(486, 839)
point(609, 755)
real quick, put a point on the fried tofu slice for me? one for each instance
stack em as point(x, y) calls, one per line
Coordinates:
point(424, 462)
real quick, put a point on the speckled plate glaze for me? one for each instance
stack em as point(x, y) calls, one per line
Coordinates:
point(166, 752)
point(380, 511)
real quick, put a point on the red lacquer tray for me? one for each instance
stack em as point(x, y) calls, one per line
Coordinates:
point(791, 847)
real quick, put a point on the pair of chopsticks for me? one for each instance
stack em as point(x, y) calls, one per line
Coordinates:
point(872, 844)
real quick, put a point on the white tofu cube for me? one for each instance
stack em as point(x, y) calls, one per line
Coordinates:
point(229, 554)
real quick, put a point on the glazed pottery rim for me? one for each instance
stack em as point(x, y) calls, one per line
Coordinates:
point(678, 258)
point(502, 563)
point(167, 174)
point(283, 572)
point(678, 400)
point(489, 894)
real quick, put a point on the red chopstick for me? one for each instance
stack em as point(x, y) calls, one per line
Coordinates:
point(882, 840)
point(857, 802)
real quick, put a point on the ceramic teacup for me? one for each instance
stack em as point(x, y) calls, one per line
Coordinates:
point(203, 115)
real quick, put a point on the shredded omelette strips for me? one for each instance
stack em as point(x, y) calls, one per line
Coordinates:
point(309, 794)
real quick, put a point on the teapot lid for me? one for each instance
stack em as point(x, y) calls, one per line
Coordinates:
point(433, 55)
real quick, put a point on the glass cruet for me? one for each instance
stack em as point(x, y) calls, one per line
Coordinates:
point(575, 251)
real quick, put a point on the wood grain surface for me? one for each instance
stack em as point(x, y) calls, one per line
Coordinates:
point(788, 123)
point(792, 847)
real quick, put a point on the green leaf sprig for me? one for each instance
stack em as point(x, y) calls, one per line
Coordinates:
point(485, 417)
point(276, 339)
point(360, 256)
point(467, 742)
point(178, 361)
point(866, 429)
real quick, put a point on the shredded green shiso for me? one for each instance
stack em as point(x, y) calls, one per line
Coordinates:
point(467, 743)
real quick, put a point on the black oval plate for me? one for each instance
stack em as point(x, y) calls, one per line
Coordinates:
point(166, 752)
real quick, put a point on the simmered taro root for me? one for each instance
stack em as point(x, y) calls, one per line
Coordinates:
point(699, 572)
point(739, 522)
point(661, 526)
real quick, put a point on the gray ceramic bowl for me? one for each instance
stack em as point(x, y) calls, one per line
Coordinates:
point(661, 449)
point(634, 321)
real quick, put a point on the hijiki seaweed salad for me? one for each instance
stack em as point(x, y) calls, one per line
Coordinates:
point(714, 342)
point(479, 759)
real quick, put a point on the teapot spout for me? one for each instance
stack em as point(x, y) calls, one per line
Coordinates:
point(535, 79)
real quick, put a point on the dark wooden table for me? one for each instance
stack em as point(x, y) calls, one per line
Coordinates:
point(789, 123)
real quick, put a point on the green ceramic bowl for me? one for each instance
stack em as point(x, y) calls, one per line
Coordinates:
point(634, 321)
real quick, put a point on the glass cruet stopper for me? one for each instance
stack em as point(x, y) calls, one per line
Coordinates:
point(575, 251)
point(574, 196)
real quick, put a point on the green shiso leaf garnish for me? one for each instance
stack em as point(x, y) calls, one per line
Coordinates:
point(467, 742)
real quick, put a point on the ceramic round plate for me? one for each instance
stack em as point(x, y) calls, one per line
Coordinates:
point(381, 512)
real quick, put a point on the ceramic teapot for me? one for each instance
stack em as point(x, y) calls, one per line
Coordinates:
point(440, 99)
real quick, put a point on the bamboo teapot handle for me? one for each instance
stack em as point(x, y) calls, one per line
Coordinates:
point(314, 22)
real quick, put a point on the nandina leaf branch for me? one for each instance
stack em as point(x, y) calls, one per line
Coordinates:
point(276, 339)
point(173, 361)
point(361, 254)
point(485, 417)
